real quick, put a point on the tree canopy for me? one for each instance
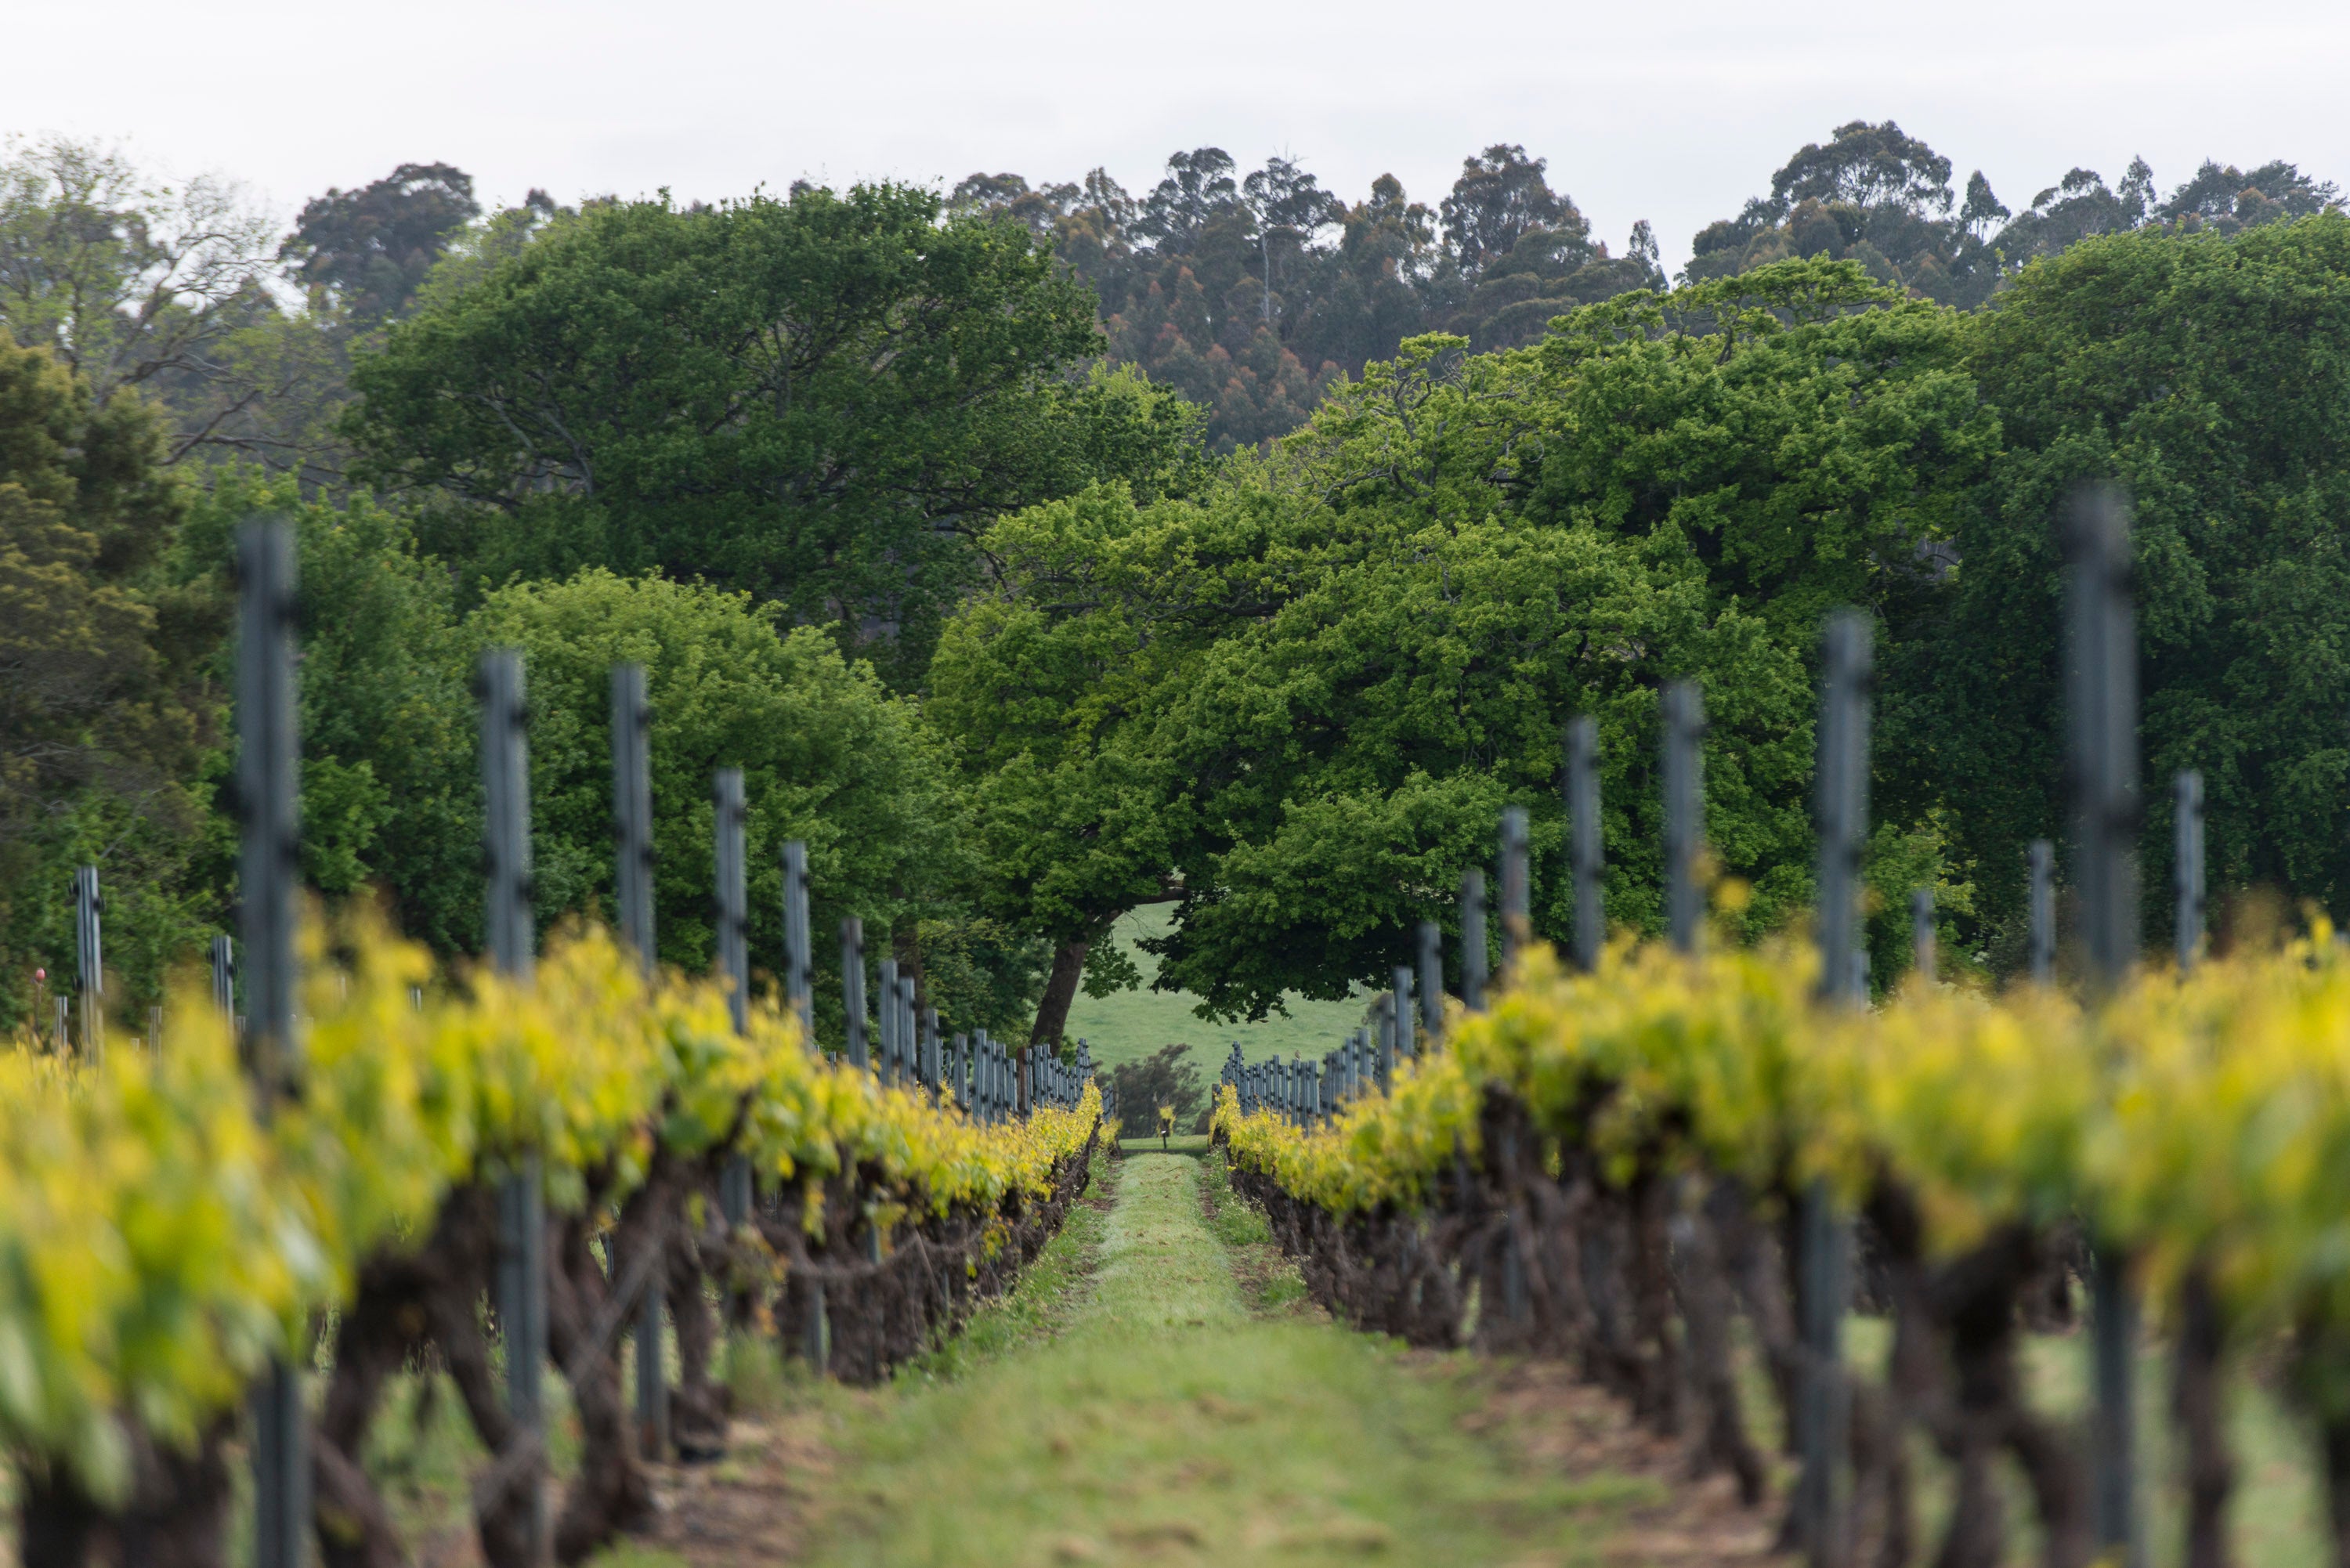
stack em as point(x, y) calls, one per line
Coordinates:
point(1479, 473)
point(1874, 194)
point(1254, 294)
point(1298, 701)
point(820, 401)
point(372, 247)
point(2207, 373)
point(102, 724)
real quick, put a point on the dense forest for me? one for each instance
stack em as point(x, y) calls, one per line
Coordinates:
point(1042, 551)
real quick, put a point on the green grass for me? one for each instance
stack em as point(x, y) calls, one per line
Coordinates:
point(2276, 1517)
point(1177, 1143)
point(1132, 1024)
point(1168, 1422)
point(1270, 1281)
point(1046, 1299)
point(1236, 1222)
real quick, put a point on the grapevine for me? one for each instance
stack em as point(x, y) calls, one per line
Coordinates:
point(2197, 1125)
point(161, 1240)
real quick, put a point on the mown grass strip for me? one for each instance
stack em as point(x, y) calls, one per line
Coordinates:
point(1168, 1422)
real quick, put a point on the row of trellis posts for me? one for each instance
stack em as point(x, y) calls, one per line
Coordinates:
point(993, 1081)
point(2101, 701)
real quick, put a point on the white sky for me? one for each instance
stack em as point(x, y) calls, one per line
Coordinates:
point(1676, 114)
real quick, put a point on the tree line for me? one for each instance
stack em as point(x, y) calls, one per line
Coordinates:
point(887, 489)
point(1253, 292)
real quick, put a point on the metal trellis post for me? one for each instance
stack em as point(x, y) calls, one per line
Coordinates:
point(2041, 917)
point(732, 817)
point(1431, 981)
point(1406, 1021)
point(91, 968)
point(223, 970)
point(852, 986)
point(800, 950)
point(1842, 807)
point(633, 826)
point(522, 1210)
point(269, 793)
point(1473, 940)
point(2187, 867)
point(910, 1020)
point(1517, 928)
point(1684, 779)
point(1583, 850)
point(2102, 753)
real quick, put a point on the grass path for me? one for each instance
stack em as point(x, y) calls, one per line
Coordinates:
point(1165, 1420)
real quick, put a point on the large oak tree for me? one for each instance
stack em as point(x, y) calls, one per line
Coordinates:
point(822, 401)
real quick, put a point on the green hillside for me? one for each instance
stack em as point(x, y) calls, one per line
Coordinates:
point(1133, 1024)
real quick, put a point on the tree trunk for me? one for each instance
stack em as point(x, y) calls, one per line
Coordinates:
point(1060, 990)
point(2200, 1407)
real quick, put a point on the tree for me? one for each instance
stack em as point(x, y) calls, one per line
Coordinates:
point(820, 401)
point(1868, 166)
point(171, 288)
point(1873, 194)
point(1243, 297)
point(1289, 207)
point(103, 719)
point(1982, 209)
point(1548, 273)
point(1008, 195)
point(1297, 701)
point(827, 754)
point(1164, 1078)
point(2230, 200)
point(2208, 374)
point(1876, 195)
point(1374, 291)
point(2079, 207)
point(120, 276)
point(1198, 189)
point(390, 789)
point(1501, 194)
point(369, 248)
point(1043, 692)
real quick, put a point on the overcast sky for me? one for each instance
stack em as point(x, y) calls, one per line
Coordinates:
point(1676, 114)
